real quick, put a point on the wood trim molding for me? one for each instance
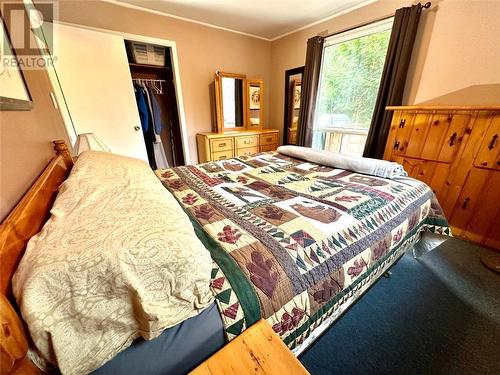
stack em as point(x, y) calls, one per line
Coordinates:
point(492, 107)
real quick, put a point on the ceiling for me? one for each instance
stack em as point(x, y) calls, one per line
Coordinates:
point(266, 19)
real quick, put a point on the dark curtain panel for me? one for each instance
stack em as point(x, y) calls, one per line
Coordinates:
point(393, 79)
point(309, 90)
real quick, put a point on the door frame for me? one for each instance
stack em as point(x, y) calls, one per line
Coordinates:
point(66, 115)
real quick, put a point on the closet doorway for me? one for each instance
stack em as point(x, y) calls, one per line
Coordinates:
point(92, 88)
point(151, 69)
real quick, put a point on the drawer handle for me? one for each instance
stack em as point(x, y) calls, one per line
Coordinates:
point(223, 157)
point(247, 142)
point(466, 203)
point(396, 145)
point(452, 139)
point(493, 141)
point(402, 123)
point(269, 139)
point(222, 145)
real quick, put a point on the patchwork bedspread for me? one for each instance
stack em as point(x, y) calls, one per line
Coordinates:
point(291, 240)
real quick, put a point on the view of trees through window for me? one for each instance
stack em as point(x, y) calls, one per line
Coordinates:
point(349, 82)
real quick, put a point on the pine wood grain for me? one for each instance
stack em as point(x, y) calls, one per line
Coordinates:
point(258, 350)
point(456, 151)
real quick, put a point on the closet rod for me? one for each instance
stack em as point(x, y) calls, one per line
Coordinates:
point(148, 80)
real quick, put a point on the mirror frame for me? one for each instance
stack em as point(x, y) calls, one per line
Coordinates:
point(288, 106)
point(219, 101)
point(260, 83)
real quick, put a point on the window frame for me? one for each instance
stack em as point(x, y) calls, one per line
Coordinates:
point(344, 36)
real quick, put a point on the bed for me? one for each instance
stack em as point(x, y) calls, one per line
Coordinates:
point(293, 242)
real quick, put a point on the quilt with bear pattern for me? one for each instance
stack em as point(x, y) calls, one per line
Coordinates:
point(292, 240)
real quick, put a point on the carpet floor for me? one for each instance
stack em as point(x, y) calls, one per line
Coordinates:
point(438, 314)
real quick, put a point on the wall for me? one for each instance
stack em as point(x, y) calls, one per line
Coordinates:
point(25, 141)
point(456, 49)
point(201, 51)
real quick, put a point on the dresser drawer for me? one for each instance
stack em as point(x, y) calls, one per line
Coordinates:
point(248, 141)
point(269, 139)
point(272, 147)
point(222, 155)
point(247, 151)
point(221, 144)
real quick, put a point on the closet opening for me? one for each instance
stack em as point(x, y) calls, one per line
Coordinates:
point(152, 75)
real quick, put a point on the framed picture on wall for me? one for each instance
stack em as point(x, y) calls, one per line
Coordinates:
point(14, 95)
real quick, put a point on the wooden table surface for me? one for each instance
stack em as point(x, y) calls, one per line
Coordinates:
point(258, 350)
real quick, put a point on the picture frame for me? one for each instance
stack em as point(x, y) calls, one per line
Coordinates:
point(254, 97)
point(14, 94)
point(296, 95)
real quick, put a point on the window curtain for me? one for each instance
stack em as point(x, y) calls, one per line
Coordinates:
point(309, 91)
point(393, 79)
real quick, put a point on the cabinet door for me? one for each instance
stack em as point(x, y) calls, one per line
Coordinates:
point(444, 137)
point(489, 151)
point(403, 133)
point(432, 173)
point(478, 206)
point(94, 77)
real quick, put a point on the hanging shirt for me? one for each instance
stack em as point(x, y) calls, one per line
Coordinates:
point(158, 149)
point(142, 107)
point(155, 108)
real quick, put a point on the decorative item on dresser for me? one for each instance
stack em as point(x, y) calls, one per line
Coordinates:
point(456, 151)
point(219, 146)
point(258, 350)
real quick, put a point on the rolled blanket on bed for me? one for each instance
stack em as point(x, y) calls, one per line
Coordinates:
point(374, 167)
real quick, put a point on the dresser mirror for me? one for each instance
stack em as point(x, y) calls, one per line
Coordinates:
point(230, 101)
point(255, 92)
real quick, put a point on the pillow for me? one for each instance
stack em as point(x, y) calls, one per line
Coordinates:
point(117, 259)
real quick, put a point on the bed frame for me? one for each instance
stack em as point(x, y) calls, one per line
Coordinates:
point(24, 221)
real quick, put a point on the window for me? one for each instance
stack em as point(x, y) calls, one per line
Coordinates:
point(349, 80)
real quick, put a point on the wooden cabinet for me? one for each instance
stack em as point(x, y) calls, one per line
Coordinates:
point(219, 146)
point(456, 151)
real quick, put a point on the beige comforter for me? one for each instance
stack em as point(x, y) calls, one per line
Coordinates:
point(117, 259)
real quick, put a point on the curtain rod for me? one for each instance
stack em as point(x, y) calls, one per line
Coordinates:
point(427, 5)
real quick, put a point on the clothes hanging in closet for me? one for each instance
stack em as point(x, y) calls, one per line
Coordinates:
point(156, 125)
point(151, 122)
point(142, 106)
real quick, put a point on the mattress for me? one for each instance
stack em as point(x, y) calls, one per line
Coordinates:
point(294, 242)
point(176, 351)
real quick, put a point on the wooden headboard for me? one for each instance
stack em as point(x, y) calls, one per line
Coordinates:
point(25, 220)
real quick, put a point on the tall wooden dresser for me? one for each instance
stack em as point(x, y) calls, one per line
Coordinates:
point(220, 146)
point(456, 151)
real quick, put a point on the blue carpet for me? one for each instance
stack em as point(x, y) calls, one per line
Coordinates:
point(439, 314)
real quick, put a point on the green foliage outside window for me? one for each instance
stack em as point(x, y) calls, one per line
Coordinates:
point(351, 76)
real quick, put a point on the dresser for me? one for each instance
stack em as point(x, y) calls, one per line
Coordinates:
point(456, 151)
point(220, 146)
